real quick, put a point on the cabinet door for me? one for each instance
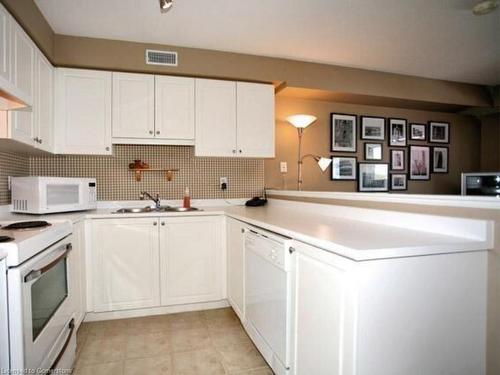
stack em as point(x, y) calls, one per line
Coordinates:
point(23, 78)
point(191, 259)
point(83, 112)
point(215, 118)
point(77, 275)
point(125, 263)
point(322, 328)
point(133, 105)
point(236, 266)
point(255, 120)
point(174, 110)
point(5, 44)
point(44, 103)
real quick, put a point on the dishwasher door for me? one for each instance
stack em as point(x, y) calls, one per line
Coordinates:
point(267, 297)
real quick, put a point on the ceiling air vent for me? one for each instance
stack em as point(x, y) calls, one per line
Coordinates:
point(166, 58)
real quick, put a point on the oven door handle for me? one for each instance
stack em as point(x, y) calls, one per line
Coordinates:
point(35, 274)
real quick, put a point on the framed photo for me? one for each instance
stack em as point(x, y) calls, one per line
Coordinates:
point(397, 132)
point(398, 160)
point(373, 177)
point(398, 181)
point(440, 160)
point(439, 132)
point(373, 151)
point(373, 128)
point(343, 132)
point(419, 163)
point(343, 168)
point(418, 132)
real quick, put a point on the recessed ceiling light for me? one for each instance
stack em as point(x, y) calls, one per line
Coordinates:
point(165, 5)
point(484, 7)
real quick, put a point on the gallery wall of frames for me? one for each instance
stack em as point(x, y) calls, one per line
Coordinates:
point(416, 151)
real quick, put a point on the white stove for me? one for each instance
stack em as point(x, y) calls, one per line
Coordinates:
point(26, 243)
point(40, 309)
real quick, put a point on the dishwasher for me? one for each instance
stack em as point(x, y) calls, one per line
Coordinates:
point(268, 291)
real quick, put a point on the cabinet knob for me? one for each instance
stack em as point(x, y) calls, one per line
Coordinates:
point(240, 151)
point(242, 230)
point(291, 250)
point(157, 132)
point(107, 148)
point(234, 151)
point(40, 140)
point(151, 132)
point(35, 139)
point(162, 223)
point(155, 223)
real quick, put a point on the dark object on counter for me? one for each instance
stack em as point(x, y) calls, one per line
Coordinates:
point(6, 239)
point(27, 225)
point(256, 202)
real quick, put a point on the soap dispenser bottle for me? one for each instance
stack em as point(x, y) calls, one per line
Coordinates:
point(187, 198)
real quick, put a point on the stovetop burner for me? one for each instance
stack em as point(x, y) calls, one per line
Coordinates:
point(6, 239)
point(27, 225)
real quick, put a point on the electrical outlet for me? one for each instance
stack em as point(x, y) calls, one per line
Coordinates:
point(9, 181)
point(283, 167)
point(223, 183)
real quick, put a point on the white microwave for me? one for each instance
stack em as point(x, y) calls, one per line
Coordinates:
point(42, 195)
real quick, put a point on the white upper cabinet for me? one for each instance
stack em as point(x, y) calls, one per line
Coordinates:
point(191, 258)
point(234, 119)
point(255, 119)
point(5, 45)
point(23, 77)
point(174, 110)
point(133, 105)
point(215, 118)
point(83, 112)
point(43, 106)
point(125, 264)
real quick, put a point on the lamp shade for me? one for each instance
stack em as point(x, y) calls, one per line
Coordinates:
point(324, 163)
point(301, 121)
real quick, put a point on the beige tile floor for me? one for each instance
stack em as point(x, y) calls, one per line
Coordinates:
point(202, 343)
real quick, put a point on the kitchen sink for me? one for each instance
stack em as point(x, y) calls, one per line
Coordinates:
point(138, 210)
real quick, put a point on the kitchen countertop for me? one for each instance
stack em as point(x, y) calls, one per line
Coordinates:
point(351, 238)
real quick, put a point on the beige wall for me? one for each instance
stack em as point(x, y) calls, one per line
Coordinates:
point(463, 151)
point(490, 143)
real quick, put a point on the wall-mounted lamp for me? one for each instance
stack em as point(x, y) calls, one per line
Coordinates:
point(301, 122)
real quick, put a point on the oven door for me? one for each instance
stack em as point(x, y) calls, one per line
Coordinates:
point(39, 293)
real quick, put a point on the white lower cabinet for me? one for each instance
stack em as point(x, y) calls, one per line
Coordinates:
point(191, 257)
point(141, 263)
point(236, 266)
point(125, 264)
point(78, 279)
point(412, 316)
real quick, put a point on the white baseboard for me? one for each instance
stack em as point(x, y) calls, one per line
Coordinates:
point(94, 317)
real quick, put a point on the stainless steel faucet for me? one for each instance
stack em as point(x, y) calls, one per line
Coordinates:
point(156, 200)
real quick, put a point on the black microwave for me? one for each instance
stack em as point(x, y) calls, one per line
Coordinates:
point(486, 184)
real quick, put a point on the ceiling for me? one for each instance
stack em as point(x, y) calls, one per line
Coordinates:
point(428, 38)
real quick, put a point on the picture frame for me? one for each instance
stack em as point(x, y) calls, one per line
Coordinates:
point(343, 132)
point(398, 160)
point(373, 177)
point(372, 128)
point(439, 132)
point(397, 132)
point(399, 181)
point(440, 159)
point(419, 163)
point(344, 168)
point(418, 132)
point(373, 151)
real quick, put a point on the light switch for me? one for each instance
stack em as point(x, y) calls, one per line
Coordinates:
point(283, 167)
